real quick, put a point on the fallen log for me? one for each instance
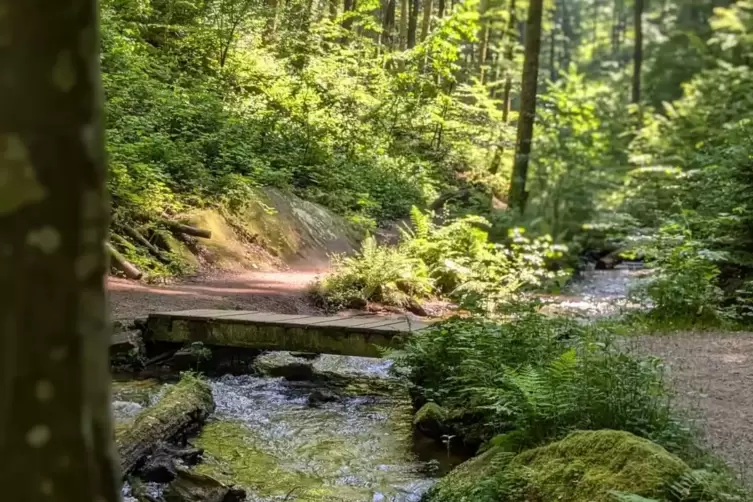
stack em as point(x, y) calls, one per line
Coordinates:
point(136, 235)
point(179, 414)
point(187, 229)
point(124, 265)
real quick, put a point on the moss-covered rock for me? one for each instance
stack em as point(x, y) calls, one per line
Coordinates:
point(584, 467)
point(430, 419)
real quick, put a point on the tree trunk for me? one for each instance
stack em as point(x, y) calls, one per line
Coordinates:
point(441, 6)
point(483, 37)
point(403, 24)
point(179, 414)
point(186, 229)
point(507, 92)
point(55, 426)
point(426, 21)
point(638, 53)
point(413, 22)
point(124, 265)
point(518, 194)
point(333, 4)
point(388, 21)
point(348, 6)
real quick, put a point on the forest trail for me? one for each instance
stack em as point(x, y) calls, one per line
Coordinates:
point(283, 292)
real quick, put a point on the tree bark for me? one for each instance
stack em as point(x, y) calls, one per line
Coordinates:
point(483, 37)
point(507, 91)
point(388, 22)
point(638, 53)
point(413, 22)
point(518, 194)
point(403, 24)
point(187, 229)
point(124, 265)
point(136, 235)
point(426, 21)
point(179, 414)
point(55, 426)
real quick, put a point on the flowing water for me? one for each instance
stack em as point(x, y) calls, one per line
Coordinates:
point(268, 438)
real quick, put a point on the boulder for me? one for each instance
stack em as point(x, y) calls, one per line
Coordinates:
point(430, 420)
point(190, 486)
point(586, 466)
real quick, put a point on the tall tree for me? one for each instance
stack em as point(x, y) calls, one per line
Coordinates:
point(403, 24)
point(414, 5)
point(638, 52)
point(509, 39)
point(518, 194)
point(483, 36)
point(426, 21)
point(55, 426)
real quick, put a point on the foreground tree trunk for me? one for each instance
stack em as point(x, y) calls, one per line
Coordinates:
point(55, 427)
point(518, 194)
point(638, 52)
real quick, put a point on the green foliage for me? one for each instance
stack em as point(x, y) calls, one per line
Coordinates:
point(684, 290)
point(454, 260)
point(378, 273)
point(533, 379)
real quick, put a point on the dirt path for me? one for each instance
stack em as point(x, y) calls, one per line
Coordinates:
point(713, 376)
point(282, 292)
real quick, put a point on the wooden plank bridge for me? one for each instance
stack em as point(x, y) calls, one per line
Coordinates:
point(351, 335)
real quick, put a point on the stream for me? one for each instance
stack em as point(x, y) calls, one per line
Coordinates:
point(266, 436)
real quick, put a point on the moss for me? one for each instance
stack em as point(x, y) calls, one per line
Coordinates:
point(584, 467)
point(430, 412)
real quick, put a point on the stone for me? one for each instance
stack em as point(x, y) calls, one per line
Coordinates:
point(430, 420)
point(586, 466)
point(189, 486)
point(319, 397)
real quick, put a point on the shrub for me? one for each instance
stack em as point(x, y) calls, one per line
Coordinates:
point(534, 379)
point(378, 273)
point(454, 260)
point(685, 289)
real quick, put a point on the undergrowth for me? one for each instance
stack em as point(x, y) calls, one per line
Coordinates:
point(455, 260)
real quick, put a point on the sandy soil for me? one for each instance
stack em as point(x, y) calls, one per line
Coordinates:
point(282, 292)
point(713, 375)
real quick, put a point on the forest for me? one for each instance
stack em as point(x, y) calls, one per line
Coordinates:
point(500, 163)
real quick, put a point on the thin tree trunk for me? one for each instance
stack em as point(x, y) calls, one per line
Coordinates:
point(483, 37)
point(638, 53)
point(552, 54)
point(518, 195)
point(413, 22)
point(403, 24)
point(442, 5)
point(388, 22)
point(333, 5)
point(507, 92)
point(55, 428)
point(348, 6)
point(426, 21)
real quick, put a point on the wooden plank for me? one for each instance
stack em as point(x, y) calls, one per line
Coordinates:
point(367, 322)
point(262, 317)
point(356, 334)
point(202, 314)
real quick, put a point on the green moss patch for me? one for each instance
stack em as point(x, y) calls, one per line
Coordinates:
point(586, 466)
